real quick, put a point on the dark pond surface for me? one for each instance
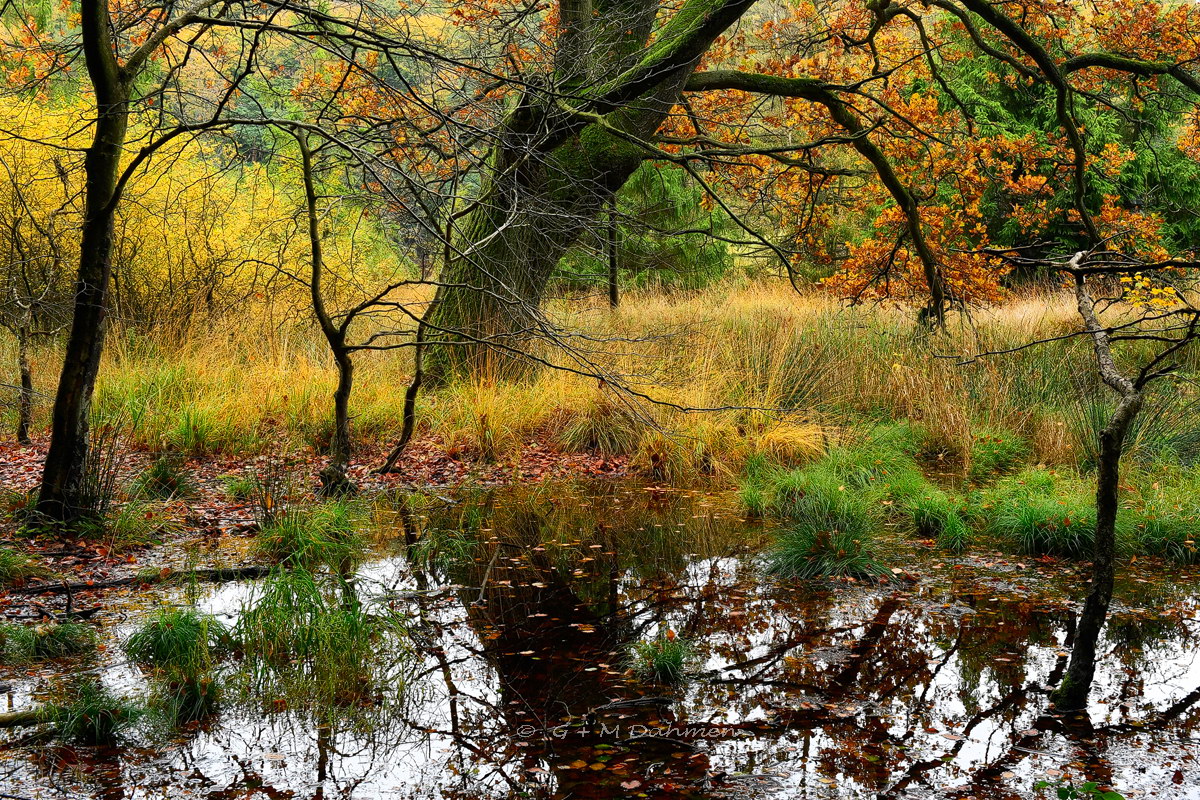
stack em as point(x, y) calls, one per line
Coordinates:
point(520, 608)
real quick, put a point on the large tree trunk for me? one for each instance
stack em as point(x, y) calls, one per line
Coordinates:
point(509, 244)
point(62, 477)
point(559, 158)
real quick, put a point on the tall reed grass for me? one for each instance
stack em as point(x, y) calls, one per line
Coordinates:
point(787, 371)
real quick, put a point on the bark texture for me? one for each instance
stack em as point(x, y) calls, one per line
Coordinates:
point(559, 158)
point(62, 478)
point(1072, 693)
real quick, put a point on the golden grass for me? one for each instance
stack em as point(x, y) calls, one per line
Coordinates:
point(245, 385)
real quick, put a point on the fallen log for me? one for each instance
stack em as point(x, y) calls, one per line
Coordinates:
point(148, 577)
point(24, 719)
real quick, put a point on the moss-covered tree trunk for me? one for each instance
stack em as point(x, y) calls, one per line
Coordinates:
point(509, 245)
point(560, 155)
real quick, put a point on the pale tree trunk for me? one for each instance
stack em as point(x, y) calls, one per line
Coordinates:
point(1072, 693)
point(62, 478)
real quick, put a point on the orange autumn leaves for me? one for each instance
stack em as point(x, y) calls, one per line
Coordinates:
point(976, 183)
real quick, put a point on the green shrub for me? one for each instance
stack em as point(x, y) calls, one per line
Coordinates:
point(994, 454)
point(164, 479)
point(24, 643)
point(664, 659)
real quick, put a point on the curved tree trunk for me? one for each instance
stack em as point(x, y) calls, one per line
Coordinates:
point(334, 480)
point(1072, 693)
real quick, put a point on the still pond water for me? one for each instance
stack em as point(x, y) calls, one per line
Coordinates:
point(510, 678)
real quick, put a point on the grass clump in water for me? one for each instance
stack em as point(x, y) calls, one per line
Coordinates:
point(93, 715)
point(25, 643)
point(665, 659)
point(1038, 513)
point(327, 534)
point(166, 478)
point(935, 516)
point(180, 647)
point(310, 641)
point(831, 531)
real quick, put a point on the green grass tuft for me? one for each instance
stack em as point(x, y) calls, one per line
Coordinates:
point(310, 641)
point(1060, 524)
point(25, 643)
point(806, 553)
point(242, 487)
point(136, 524)
point(327, 534)
point(935, 516)
point(1165, 529)
point(178, 638)
point(831, 531)
point(94, 716)
point(665, 659)
point(996, 453)
point(180, 647)
point(15, 567)
point(164, 479)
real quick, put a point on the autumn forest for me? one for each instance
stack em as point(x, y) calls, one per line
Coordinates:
point(656, 399)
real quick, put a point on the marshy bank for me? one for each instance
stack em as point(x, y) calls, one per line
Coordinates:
point(609, 639)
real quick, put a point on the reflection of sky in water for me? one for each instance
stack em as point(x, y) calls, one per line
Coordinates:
point(934, 709)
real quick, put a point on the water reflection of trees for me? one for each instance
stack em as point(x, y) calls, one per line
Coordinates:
point(520, 608)
point(852, 680)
